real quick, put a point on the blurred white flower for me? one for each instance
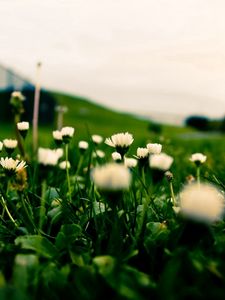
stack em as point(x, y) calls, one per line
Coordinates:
point(99, 153)
point(64, 164)
point(59, 152)
point(142, 152)
point(83, 145)
point(1, 145)
point(12, 165)
point(10, 144)
point(198, 158)
point(130, 162)
point(22, 126)
point(67, 132)
point(97, 139)
point(154, 148)
point(49, 157)
point(111, 177)
point(18, 95)
point(57, 135)
point(116, 156)
point(160, 161)
point(202, 202)
point(122, 140)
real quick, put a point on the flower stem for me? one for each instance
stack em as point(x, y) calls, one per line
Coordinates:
point(67, 172)
point(42, 208)
point(172, 194)
point(8, 212)
point(198, 174)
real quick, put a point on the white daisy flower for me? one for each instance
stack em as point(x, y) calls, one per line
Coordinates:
point(10, 144)
point(11, 165)
point(202, 202)
point(18, 95)
point(154, 148)
point(122, 140)
point(64, 164)
point(116, 156)
point(99, 153)
point(142, 152)
point(160, 161)
point(83, 145)
point(57, 135)
point(67, 133)
point(1, 146)
point(49, 157)
point(97, 139)
point(198, 158)
point(111, 177)
point(130, 162)
point(23, 126)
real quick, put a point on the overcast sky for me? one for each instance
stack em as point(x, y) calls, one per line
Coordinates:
point(137, 55)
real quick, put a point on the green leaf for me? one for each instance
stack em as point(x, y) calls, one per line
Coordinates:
point(37, 243)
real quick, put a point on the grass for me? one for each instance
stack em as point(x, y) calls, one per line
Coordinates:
point(62, 236)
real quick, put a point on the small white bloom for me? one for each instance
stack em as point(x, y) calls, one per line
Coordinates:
point(154, 148)
point(23, 126)
point(202, 202)
point(1, 145)
point(116, 156)
point(198, 158)
point(130, 162)
point(11, 164)
point(10, 144)
point(122, 140)
point(97, 139)
point(142, 152)
point(99, 153)
point(112, 177)
point(67, 131)
point(83, 145)
point(57, 135)
point(19, 95)
point(48, 156)
point(64, 164)
point(160, 161)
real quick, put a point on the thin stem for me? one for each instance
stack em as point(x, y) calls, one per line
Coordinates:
point(198, 174)
point(67, 172)
point(42, 208)
point(172, 193)
point(8, 212)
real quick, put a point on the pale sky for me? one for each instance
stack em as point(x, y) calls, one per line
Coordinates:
point(137, 55)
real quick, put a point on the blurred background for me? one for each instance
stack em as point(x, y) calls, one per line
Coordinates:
point(162, 61)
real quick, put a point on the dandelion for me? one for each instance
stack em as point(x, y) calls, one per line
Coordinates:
point(64, 164)
point(67, 134)
point(111, 177)
point(154, 148)
point(97, 139)
point(120, 141)
point(116, 156)
point(160, 161)
point(12, 166)
point(48, 157)
point(130, 162)
point(202, 203)
point(198, 158)
point(10, 145)
point(83, 145)
point(23, 128)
